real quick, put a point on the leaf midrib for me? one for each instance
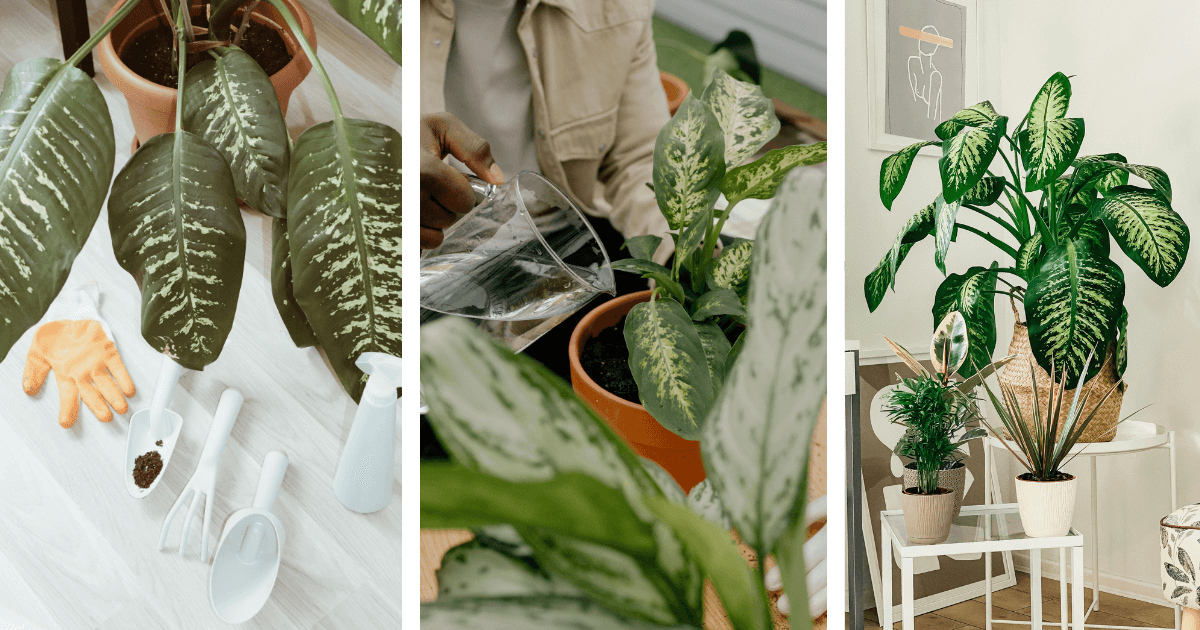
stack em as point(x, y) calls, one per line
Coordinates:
point(345, 163)
point(36, 111)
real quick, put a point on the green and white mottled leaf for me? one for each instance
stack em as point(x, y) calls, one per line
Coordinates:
point(1050, 141)
point(731, 270)
point(689, 160)
point(971, 295)
point(529, 613)
point(876, 284)
point(344, 228)
point(985, 193)
point(718, 302)
point(663, 479)
point(945, 218)
point(693, 234)
point(643, 246)
point(379, 19)
point(704, 501)
point(967, 155)
point(56, 161)
point(894, 171)
point(475, 569)
point(668, 363)
point(716, 349)
point(1028, 256)
point(1072, 305)
point(760, 178)
point(1123, 341)
point(948, 348)
point(230, 102)
point(747, 117)
point(1089, 227)
point(652, 270)
point(915, 229)
point(755, 442)
point(175, 224)
point(281, 288)
point(1148, 230)
point(1095, 173)
point(974, 116)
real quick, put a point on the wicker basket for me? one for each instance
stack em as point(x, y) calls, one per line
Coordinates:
point(1016, 376)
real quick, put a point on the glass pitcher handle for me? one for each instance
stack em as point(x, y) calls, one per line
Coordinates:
point(483, 190)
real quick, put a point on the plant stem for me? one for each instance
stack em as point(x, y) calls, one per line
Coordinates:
point(1011, 230)
point(181, 40)
point(312, 56)
point(102, 32)
point(710, 241)
point(1008, 249)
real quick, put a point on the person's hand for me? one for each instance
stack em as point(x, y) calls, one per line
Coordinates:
point(445, 193)
point(85, 363)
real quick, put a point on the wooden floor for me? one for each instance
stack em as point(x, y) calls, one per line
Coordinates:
point(1013, 604)
point(76, 552)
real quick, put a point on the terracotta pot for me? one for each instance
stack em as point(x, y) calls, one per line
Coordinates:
point(676, 90)
point(152, 106)
point(954, 478)
point(927, 517)
point(1046, 507)
point(631, 421)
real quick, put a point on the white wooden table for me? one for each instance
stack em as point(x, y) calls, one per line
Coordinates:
point(1001, 531)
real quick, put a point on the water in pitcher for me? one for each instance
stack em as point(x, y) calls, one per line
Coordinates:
point(510, 286)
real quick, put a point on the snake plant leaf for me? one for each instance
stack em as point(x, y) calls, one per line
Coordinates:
point(716, 350)
point(529, 613)
point(230, 102)
point(760, 178)
point(915, 229)
point(746, 115)
point(1028, 256)
point(1072, 305)
point(344, 230)
point(651, 270)
point(281, 288)
point(972, 294)
point(731, 270)
point(476, 569)
point(56, 161)
point(985, 193)
point(876, 284)
point(523, 424)
point(894, 171)
point(1123, 341)
point(704, 501)
point(948, 348)
point(755, 442)
point(689, 159)
point(643, 246)
point(945, 219)
point(718, 302)
point(378, 19)
point(175, 224)
point(1050, 141)
point(974, 116)
point(967, 155)
point(668, 363)
point(1148, 230)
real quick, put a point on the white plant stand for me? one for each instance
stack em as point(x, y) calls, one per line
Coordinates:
point(1001, 527)
point(1131, 437)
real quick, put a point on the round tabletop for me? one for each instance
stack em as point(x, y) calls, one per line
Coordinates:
point(1132, 436)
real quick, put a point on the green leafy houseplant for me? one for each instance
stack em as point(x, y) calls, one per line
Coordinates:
point(173, 212)
point(679, 351)
point(572, 528)
point(1057, 244)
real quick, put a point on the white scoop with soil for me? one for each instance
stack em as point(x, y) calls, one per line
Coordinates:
point(149, 427)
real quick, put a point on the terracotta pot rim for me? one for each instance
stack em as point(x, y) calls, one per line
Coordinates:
point(575, 346)
point(1069, 479)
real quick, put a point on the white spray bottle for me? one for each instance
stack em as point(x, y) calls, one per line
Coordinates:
point(365, 472)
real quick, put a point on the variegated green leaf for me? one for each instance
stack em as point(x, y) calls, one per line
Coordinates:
point(56, 161)
point(972, 295)
point(667, 360)
point(1095, 173)
point(755, 442)
point(731, 270)
point(967, 155)
point(529, 613)
point(948, 348)
point(379, 19)
point(281, 288)
point(760, 178)
point(230, 102)
point(475, 569)
point(1072, 305)
point(1050, 141)
point(718, 302)
point(945, 217)
point(1051, 101)
point(876, 284)
point(894, 171)
point(747, 117)
point(1123, 341)
point(1105, 172)
point(915, 229)
point(344, 228)
point(973, 116)
point(693, 234)
point(643, 246)
point(1148, 230)
point(689, 159)
point(175, 224)
point(1029, 255)
point(716, 348)
point(704, 501)
point(1088, 227)
point(985, 193)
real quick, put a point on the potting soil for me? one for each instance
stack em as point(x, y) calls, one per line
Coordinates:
point(151, 55)
point(146, 468)
point(605, 358)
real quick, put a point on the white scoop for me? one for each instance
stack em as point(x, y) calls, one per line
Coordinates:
point(148, 426)
point(246, 563)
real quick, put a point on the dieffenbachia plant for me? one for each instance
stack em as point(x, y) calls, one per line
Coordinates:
point(679, 353)
point(173, 212)
point(1059, 245)
point(572, 528)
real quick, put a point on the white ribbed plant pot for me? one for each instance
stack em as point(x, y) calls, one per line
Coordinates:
point(1046, 506)
point(927, 517)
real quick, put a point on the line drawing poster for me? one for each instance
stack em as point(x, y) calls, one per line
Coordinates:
point(925, 69)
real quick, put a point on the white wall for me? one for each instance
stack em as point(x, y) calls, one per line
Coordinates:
point(792, 31)
point(1134, 82)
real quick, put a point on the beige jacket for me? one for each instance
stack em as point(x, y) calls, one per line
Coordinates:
point(598, 102)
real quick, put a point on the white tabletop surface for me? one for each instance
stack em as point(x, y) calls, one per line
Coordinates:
point(981, 527)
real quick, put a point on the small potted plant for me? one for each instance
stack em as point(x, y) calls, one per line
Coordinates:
point(1045, 492)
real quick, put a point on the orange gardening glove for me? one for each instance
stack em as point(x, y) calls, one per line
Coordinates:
point(85, 363)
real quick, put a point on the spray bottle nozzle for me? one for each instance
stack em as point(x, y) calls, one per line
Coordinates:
point(385, 373)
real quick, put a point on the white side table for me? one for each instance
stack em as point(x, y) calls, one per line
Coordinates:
point(1131, 437)
point(1002, 531)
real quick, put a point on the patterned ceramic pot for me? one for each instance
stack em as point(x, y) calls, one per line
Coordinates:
point(954, 478)
point(927, 516)
point(1046, 507)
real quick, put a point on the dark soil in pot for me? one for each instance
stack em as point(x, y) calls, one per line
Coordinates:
point(605, 358)
point(1061, 476)
point(152, 54)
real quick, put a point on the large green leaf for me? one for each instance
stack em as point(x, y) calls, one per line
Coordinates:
point(974, 116)
point(915, 229)
point(985, 193)
point(876, 284)
point(967, 155)
point(1029, 255)
point(1095, 173)
point(972, 295)
point(755, 442)
point(643, 246)
point(747, 117)
point(894, 171)
point(476, 569)
point(1123, 341)
point(1049, 142)
point(379, 19)
point(668, 363)
point(1072, 305)
point(344, 228)
point(688, 162)
point(1148, 230)
point(175, 224)
point(731, 270)
point(716, 348)
point(945, 217)
point(529, 613)
point(718, 302)
point(56, 161)
point(281, 288)
point(230, 102)
point(760, 178)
